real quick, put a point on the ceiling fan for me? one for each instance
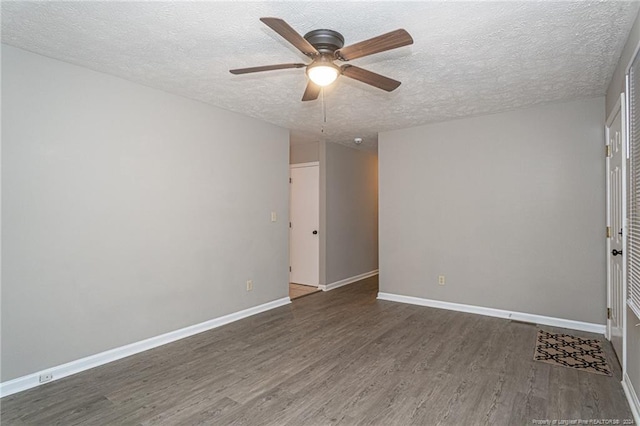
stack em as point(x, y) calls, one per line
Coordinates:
point(326, 46)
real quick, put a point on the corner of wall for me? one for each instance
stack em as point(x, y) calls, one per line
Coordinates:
point(322, 157)
point(617, 83)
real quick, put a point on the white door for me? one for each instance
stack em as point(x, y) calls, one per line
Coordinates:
point(304, 241)
point(616, 218)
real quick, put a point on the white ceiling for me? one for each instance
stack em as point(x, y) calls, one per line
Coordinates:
point(469, 58)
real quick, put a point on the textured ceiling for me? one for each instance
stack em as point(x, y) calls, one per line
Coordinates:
point(469, 58)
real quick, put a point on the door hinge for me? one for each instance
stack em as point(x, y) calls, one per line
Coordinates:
point(607, 150)
point(290, 180)
point(289, 224)
point(289, 268)
point(608, 313)
point(608, 232)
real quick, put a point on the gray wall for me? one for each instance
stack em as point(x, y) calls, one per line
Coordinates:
point(349, 194)
point(616, 87)
point(128, 212)
point(304, 153)
point(509, 207)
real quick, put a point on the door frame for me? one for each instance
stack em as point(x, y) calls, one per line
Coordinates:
point(299, 166)
point(620, 107)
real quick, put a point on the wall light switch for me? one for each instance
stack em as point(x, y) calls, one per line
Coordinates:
point(274, 216)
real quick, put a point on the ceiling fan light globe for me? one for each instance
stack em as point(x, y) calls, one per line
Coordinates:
point(322, 75)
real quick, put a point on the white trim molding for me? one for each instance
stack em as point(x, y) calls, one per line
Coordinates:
point(632, 397)
point(346, 281)
point(58, 372)
point(499, 313)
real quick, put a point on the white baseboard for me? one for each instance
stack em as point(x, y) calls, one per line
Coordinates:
point(499, 313)
point(58, 372)
point(346, 281)
point(632, 397)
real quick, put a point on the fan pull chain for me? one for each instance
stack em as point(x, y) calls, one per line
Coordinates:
point(324, 110)
point(324, 107)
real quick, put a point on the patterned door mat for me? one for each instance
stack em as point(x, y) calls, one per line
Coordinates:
point(571, 351)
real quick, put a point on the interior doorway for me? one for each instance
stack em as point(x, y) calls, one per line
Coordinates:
point(304, 241)
point(616, 232)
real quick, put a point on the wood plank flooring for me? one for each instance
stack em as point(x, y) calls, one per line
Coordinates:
point(298, 290)
point(335, 358)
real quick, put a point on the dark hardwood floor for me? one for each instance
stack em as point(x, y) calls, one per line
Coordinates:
point(338, 357)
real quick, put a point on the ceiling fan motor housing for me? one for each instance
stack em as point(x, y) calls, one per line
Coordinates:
point(325, 41)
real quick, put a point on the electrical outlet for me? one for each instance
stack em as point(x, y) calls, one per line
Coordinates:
point(249, 285)
point(46, 377)
point(441, 280)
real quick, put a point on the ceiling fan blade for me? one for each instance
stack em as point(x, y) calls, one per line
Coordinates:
point(266, 68)
point(388, 41)
point(312, 92)
point(291, 35)
point(371, 78)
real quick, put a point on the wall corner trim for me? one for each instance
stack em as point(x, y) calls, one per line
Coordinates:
point(32, 380)
point(632, 397)
point(346, 281)
point(498, 313)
